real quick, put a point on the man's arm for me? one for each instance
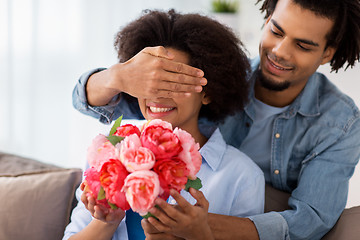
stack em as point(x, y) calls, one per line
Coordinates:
point(229, 227)
point(151, 73)
point(222, 227)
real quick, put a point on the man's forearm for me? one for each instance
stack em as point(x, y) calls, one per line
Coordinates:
point(229, 227)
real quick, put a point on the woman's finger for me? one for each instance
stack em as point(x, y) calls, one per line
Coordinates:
point(200, 198)
point(181, 201)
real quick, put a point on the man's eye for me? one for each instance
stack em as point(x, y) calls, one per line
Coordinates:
point(303, 48)
point(275, 33)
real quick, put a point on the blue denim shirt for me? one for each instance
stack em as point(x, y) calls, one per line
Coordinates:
point(315, 148)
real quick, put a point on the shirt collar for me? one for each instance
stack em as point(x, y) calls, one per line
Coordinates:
point(214, 150)
point(307, 103)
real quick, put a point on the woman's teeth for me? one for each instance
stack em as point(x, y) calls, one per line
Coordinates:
point(157, 109)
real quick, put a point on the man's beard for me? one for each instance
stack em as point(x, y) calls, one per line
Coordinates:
point(270, 84)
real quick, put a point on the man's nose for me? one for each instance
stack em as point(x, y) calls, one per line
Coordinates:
point(282, 49)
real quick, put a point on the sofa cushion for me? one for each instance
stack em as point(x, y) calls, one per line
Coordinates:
point(347, 227)
point(36, 198)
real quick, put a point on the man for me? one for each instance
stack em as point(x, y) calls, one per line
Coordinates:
point(298, 127)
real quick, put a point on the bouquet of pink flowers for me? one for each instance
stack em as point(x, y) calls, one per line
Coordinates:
point(132, 167)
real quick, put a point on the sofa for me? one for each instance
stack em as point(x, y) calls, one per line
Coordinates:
point(37, 200)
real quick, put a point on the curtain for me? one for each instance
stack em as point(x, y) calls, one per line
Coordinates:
point(44, 47)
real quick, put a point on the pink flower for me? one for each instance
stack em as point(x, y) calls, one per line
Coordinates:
point(141, 189)
point(100, 151)
point(127, 147)
point(157, 122)
point(190, 152)
point(112, 176)
point(126, 130)
point(172, 174)
point(134, 156)
point(161, 141)
point(92, 183)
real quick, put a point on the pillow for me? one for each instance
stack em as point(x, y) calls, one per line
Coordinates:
point(36, 198)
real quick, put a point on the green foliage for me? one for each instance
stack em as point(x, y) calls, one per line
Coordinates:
point(116, 125)
point(196, 184)
point(114, 139)
point(226, 6)
point(101, 194)
point(113, 206)
point(146, 216)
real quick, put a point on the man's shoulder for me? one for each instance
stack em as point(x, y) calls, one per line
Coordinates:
point(334, 105)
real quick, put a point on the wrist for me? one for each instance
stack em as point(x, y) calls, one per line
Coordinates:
point(202, 234)
point(114, 79)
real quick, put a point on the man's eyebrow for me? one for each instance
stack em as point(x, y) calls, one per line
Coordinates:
point(308, 42)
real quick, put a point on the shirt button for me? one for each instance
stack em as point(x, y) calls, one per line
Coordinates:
point(276, 172)
point(277, 135)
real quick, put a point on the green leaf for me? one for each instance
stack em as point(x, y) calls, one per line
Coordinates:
point(101, 194)
point(196, 184)
point(114, 139)
point(116, 125)
point(146, 216)
point(113, 206)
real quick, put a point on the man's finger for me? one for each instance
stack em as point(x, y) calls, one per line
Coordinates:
point(158, 51)
point(178, 87)
point(172, 66)
point(170, 94)
point(182, 68)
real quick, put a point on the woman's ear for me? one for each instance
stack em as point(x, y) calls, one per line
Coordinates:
point(205, 99)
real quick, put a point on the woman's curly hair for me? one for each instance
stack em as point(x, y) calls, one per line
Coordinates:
point(212, 47)
point(345, 34)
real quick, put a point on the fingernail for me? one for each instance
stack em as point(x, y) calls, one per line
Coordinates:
point(172, 191)
point(203, 81)
point(187, 94)
point(200, 73)
point(198, 88)
point(170, 55)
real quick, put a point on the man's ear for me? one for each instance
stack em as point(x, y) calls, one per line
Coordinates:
point(328, 55)
point(205, 99)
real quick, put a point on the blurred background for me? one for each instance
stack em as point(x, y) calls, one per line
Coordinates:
point(45, 45)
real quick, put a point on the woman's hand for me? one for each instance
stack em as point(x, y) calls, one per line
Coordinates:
point(183, 220)
point(99, 212)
